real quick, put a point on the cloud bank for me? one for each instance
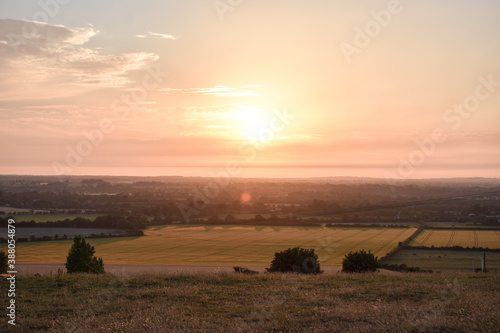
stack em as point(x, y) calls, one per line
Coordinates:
point(34, 54)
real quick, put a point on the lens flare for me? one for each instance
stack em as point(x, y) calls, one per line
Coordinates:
point(245, 197)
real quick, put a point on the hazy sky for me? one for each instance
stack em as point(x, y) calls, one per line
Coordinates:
point(395, 89)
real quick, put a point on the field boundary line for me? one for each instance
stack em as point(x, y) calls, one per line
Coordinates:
point(404, 243)
point(384, 244)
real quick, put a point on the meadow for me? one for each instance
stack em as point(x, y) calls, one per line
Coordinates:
point(465, 238)
point(232, 302)
point(221, 245)
point(445, 260)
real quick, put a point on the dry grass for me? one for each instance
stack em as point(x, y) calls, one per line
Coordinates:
point(274, 303)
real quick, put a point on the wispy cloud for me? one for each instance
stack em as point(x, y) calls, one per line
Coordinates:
point(53, 55)
point(220, 91)
point(307, 136)
point(156, 35)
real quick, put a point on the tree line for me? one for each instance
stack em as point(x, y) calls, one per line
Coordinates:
point(102, 222)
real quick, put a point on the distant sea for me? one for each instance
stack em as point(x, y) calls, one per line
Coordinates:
point(256, 172)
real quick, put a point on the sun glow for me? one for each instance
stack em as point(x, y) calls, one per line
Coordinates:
point(255, 125)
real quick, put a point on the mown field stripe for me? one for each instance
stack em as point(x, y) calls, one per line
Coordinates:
point(425, 237)
point(194, 245)
point(284, 244)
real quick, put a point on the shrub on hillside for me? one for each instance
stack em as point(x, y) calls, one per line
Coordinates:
point(296, 260)
point(3, 262)
point(81, 258)
point(243, 270)
point(404, 268)
point(360, 262)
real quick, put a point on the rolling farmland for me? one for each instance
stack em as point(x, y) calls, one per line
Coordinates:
point(222, 245)
point(465, 238)
point(445, 260)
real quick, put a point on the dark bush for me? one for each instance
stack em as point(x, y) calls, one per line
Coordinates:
point(404, 268)
point(243, 270)
point(259, 217)
point(3, 262)
point(230, 219)
point(296, 260)
point(360, 262)
point(81, 258)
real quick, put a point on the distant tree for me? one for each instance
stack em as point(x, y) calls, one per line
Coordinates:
point(360, 262)
point(297, 260)
point(274, 217)
point(213, 219)
point(81, 258)
point(259, 217)
point(3, 262)
point(158, 220)
point(230, 219)
point(121, 222)
point(137, 222)
point(259, 207)
point(491, 221)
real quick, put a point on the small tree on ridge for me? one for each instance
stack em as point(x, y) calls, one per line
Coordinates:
point(81, 258)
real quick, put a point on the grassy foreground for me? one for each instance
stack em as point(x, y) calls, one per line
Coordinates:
point(279, 303)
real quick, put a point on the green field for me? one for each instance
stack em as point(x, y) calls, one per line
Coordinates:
point(222, 245)
point(438, 260)
point(465, 238)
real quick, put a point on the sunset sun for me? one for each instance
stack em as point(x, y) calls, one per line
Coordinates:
point(257, 124)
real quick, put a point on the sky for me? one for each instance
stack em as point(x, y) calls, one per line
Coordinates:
point(282, 88)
